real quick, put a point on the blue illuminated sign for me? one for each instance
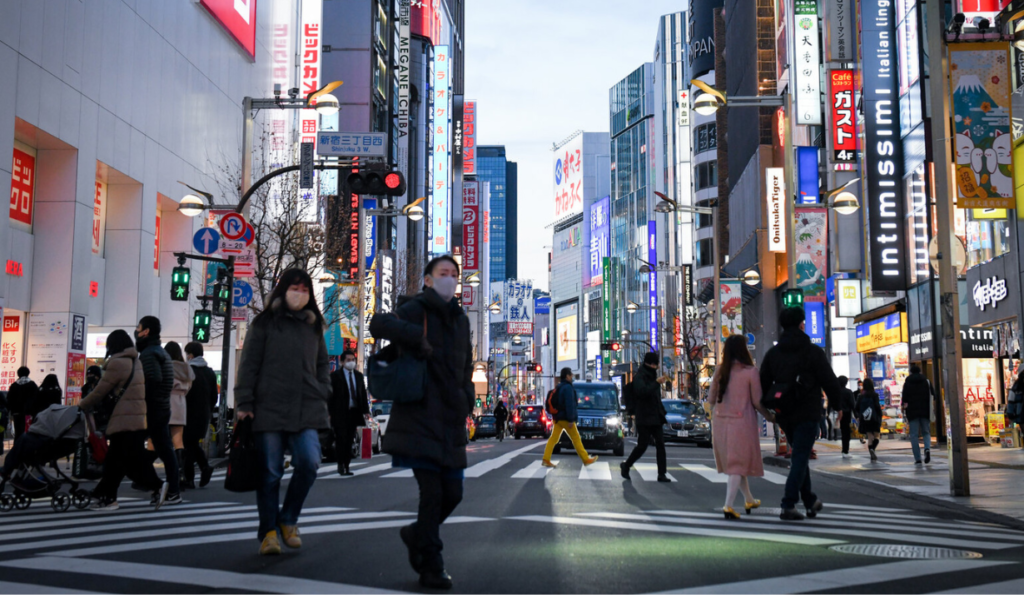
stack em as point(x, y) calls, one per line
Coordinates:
point(807, 175)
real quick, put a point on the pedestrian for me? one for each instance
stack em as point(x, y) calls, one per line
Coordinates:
point(92, 378)
point(870, 411)
point(648, 413)
point(735, 397)
point(284, 384)
point(430, 436)
point(21, 401)
point(856, 414)
point(348, 408)
point(845, 413)
point(199, 403)
point(159, 374)
point(49, 394)
point(183, 378)
point(126, 428)
point(917, 402)
point(501, 418)
point(793, 375)
point(1015, 399)
point(564, 403)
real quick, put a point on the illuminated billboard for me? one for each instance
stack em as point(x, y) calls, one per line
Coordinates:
point(440, 152)
point(568, 172)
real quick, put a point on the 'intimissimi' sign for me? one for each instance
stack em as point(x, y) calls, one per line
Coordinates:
point(883, 148)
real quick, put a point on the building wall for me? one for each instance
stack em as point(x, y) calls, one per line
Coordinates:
point(492, 167)
point(512, 220)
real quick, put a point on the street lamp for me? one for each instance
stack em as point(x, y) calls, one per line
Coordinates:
point(751, 277)
point(844, 203)
point(709, 102)
point(473, 279)
point(191, 205)
point(494, 308)
point(517, 341)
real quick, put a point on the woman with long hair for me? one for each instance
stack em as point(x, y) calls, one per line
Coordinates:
point(49, 394)
point(734, 397)
point(283, 385)
point(183, 377)
point(870, 414)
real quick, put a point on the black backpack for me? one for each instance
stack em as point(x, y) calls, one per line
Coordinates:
point(782, 396)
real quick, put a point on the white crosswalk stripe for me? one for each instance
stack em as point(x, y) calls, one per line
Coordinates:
point(535, 470)
point(649, 471)
point(706, 472)
point(597, 471)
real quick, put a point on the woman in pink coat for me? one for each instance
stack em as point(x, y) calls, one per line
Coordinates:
point(734, 398)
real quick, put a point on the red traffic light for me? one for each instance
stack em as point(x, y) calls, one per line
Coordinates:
point(616, 346)
point(393, 180)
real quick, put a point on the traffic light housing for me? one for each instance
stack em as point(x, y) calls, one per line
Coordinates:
point(180, 282)
point(380, 183)
point(201, 326)
point(793, 297)
point(221, 296)
point(612, 346)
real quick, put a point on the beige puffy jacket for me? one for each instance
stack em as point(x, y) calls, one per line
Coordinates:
point(130, 412)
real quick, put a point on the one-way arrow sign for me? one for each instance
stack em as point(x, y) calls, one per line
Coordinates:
point(206, 241)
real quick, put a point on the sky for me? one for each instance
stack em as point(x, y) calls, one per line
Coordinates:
point(540, 70)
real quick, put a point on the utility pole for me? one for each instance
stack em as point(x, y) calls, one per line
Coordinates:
point(956, 431)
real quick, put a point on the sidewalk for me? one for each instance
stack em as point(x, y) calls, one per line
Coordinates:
point(996, 474)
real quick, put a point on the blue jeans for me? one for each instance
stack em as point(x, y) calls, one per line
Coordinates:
point(801, 437)
point(305, 450)
point(923, 427)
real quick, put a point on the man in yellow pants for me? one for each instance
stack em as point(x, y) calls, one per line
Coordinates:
point(564, 403)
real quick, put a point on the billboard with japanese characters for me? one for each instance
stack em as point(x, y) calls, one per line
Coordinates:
point(239, 18)
point(23, 183)
point(599, 243)
point(844, 140)
point(440, 155)
point(517, 302)
point(568, 174)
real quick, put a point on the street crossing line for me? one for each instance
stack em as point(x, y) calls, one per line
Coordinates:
point(250, 537)
point(149, 520)
point(868, 508)
point(837, 579)
point(779, 480)
point(487, 466)
point(13, 521)
point(649, 471)
point(201, 577)
point(706, 472)
point(747, 534)
point(535, 470)
point(400, 473)
point(598, 471)
point(1000, 588)
point(12, 588)
point(195, 529)
point(373, 469)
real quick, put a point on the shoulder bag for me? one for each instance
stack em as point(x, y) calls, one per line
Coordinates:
point(396, 375)
point(105, 409)
point(243, 462)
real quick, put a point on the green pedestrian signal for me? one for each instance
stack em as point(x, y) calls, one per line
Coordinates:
point(201, 326)
point(793, 298)
point(221, 297)
point(180, 281)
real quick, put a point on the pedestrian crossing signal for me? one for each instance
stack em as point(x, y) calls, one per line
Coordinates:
point(180, 280)
point(201, 326)
point(221, 296)
point(793, 297)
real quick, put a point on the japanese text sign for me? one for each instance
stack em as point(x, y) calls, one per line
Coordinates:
point(471, 238)
point(568, 167)
point(518, 303)
point(23, 181)
point(440, 152)
point(599, 239)
point(844, 140)
point(469, 138)
point(329, 143)
point(239, 18)
point(806, 62)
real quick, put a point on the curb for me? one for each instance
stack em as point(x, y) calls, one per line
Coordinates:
point(776, 461)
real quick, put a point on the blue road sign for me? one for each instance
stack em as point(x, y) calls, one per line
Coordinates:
point(206, 241)
point(751, 339)
point(242, 294)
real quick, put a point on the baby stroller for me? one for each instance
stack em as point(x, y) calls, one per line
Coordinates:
point(54, 434)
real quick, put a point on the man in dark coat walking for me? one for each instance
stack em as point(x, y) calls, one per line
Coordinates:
point(917, 399)
point(429, 436)
point(644, 405)
point(21, 400)
point(156, 364)
point(847, 403)
point(348, 408)
point(199, 403)
point(796, 362)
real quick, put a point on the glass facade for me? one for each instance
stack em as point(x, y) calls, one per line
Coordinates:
point(493, 167)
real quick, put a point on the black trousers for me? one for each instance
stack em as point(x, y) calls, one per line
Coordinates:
point(440, 493)
point(844, 431)
point(126, 457)
point(343, 438)
point(647, 433)
point(158, 427)
point(19, 421)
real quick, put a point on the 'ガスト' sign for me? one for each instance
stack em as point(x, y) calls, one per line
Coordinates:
point(238, 17)
point(844, 141)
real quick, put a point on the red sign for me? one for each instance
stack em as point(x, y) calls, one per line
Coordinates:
point(12, 323)
point(469, 138)
point(156, 246)
point(233, 226)
point(471, 227)
point(353, 251)
point(425, 20)
point(239, 18)
point(14, 268)
point(94, 289)
point(23, 179)
point(844, 140)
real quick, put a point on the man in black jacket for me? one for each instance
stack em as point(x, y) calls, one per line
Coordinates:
point(156, 364)
point(847, 404)
point(21, 400)
point(199, 403)
point(917, 399)
point(348, 408)
point(644, 404)
point(795, 361)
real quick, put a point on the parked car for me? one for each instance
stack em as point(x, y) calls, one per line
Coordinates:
point(687, 422)
point(486, 426)
point(531, 421)
point(381, 413)
point(600, 424)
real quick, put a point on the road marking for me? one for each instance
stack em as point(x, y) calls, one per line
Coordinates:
point(775, 478)
point(837, 579)
point(694, 531)
point(12, 588)
point(373, 469)
point(598, 471)
point(202, 577)
point(867, 508)
point(840, 529)
point(1000, 588)
point(250, 537)
point(489, 465)
point(148, 520)
point(400, 473)
point(535, 470)
point(706, 472)
point(649, 471)
point(40, 503)
point(203, 529)
point(14, 522)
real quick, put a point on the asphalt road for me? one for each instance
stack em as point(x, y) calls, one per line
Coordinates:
point(522, 529)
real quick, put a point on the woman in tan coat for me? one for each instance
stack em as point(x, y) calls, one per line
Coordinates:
point(127, 427)
point(183, 378)
point(735, 396)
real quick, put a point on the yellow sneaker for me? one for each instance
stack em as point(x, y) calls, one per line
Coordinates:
point(590, 461)
point(291, 536)
point(549, 464)
point(270, 544)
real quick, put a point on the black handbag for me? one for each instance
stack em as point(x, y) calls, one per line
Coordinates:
point(84, 465)
point(102, 412)
point(243, 461)
point(395, 375)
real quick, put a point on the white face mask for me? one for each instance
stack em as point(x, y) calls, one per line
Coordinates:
point(445, 287)
point(350, 365)
point(296, 300)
